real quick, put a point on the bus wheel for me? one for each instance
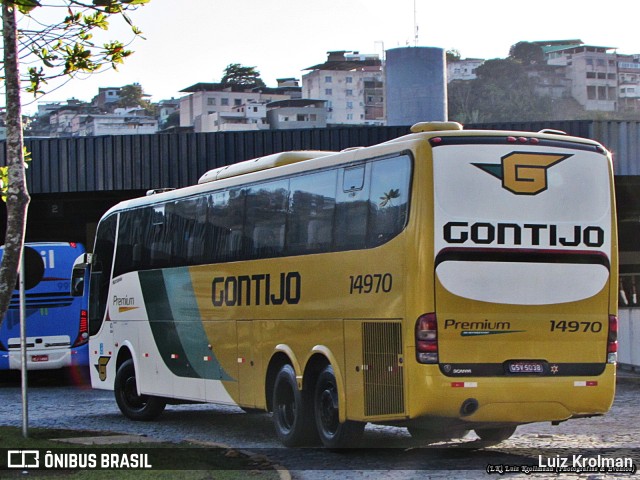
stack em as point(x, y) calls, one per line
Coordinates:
point(132, 405)
point(292, 414)
point(333, 434)
point(493, 436)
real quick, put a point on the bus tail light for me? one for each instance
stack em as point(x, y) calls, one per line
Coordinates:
point(427, 339)
point(83, 331)
point(612, 340)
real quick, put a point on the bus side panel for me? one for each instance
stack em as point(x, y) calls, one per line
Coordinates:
point(282, 301)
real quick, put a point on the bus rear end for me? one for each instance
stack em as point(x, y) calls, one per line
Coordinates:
point(525, 261)
point(56, 313)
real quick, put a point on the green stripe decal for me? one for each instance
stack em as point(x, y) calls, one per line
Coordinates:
point(177, 328)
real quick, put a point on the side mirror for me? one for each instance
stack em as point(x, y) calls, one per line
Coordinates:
point(79, 274)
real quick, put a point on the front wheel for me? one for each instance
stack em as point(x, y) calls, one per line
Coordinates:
point(131, 404)
point(333, 434)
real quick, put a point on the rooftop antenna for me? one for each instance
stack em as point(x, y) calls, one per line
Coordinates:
point(415, 25)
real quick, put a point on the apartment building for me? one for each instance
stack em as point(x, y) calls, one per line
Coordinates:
point(297, 113)
point(129, 121)
point(64, 121)
point(592, 70)
point(463, 69)
point(107, 96)
point(210, 105)
point(629, 82)
point(351, 84)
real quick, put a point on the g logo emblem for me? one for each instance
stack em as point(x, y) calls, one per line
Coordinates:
point(524, 173)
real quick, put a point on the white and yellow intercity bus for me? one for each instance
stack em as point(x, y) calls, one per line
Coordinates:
point(444, 281)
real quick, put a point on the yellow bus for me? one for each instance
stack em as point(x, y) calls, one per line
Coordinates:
point(444, 281)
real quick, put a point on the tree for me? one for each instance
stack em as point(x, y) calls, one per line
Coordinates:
point(527, 53)
point(236, 74)
point(503, 91)
point(51, 50)
point(453, 55)
point(132, 96)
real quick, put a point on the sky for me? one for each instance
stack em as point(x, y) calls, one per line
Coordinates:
point(191, 41)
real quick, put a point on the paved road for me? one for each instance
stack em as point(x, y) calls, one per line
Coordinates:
point(387, 451)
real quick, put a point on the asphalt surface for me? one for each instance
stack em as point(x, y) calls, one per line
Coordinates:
point(387, 451)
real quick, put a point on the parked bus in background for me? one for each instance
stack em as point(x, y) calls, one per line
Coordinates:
point(445, 281)
point(56, 311)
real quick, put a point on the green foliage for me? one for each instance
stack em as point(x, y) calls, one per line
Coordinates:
point(236, 74)
point(503, 91)
point(453, 55)
point(133, 96)
point(24, 6)
point(527, 53)
point(67, 47)
point(4, 174)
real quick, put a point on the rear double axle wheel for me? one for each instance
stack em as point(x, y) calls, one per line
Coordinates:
point(302, 417)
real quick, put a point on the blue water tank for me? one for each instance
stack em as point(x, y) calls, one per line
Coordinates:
point(415, 85)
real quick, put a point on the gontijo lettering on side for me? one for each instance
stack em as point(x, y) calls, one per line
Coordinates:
point(261, 289)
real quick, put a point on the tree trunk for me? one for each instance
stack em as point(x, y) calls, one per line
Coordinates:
point(17, 194)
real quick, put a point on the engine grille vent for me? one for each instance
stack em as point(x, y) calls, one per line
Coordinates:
point(383, 368)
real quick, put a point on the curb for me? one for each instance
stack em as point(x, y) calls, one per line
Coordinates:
point(283, 473)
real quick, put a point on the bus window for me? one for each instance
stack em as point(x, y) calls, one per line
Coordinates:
point(311, 210)
point(77, 282)
point(226, 219)
point(352, 207)
point(101, 263)
point(266, 211)
point(353, 178)
point(389, 199)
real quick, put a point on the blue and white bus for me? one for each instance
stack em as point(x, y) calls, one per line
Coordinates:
point(56, 311)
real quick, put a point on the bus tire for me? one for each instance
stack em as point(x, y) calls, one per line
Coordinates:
point(493, 436)
point(292, 412)
point(132, 405)
point(333, 434)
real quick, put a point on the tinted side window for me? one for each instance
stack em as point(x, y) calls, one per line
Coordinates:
point(352, 208)
point(389, 199)
point(132, 252)
point(311, 211)
point(226, 220)
point(101, 272)
point(266, 214)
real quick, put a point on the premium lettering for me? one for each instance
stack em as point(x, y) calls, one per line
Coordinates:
point(484, 325)
point(259, 289)
point(528, 234)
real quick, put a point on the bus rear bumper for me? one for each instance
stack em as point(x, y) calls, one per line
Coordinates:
point(51, 359)
point(514, 400)
point(519, 412)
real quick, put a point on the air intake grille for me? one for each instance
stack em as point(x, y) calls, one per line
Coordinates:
point(383, 370)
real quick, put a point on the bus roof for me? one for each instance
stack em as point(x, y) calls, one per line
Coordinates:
point(231, 175)
point(261, 163)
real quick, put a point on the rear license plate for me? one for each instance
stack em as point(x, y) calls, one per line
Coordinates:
point(39, 358)
point(526, 367)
